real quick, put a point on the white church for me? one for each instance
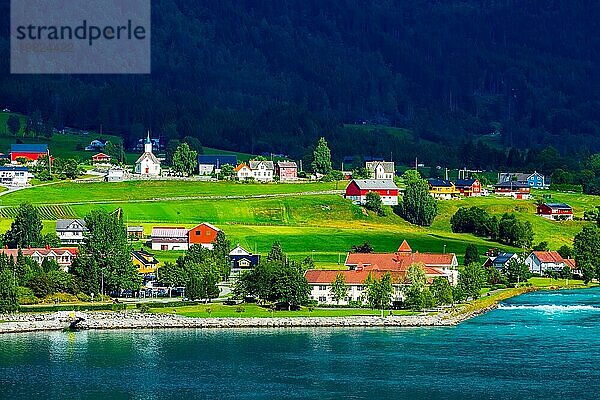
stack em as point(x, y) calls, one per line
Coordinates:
point(147, 164)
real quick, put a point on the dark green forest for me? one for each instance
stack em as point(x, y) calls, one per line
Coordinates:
point(274, 75)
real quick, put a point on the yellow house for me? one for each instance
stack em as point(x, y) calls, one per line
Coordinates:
point(442, 189)
point(145, 262)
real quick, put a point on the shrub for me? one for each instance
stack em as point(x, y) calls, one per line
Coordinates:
point(84, 297)
point(239, 309)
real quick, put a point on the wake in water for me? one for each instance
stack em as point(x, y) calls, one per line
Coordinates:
point(550, 308)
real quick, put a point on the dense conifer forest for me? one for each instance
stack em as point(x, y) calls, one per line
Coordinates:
point(468, 80)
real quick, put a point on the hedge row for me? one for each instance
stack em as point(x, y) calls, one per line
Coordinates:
point(74, 307)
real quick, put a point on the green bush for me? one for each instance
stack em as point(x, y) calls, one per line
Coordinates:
point(73, 307)
point(84, 297)
point(60, 298)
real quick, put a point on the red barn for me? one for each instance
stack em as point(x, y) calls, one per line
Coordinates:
point(555, 211)
point(30, 152)
point(358, 188)
point(468, 187)
point(204, 234)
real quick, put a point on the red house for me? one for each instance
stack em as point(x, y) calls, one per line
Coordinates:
point(203, 234)
point(555, 211)
point(101, 158)
point(358, 188)
point(30, 152)
point(286, 170)
point(468, 187)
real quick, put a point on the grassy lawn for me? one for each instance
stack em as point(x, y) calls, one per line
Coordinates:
point(253, 310)
point(545, 283)
point(321, 226)
point(70, 192)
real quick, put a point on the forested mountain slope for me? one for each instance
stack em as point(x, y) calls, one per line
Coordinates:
point(273, 75)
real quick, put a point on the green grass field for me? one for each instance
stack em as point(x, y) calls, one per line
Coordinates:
point(218, 310)
point(323, 226)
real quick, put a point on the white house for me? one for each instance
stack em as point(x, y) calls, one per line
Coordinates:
point(243, 172)
point(71, 231)
point(14, 176)
point(147, 164)
point(539, 262)
point(381, 169)
point(168, 238)
point(115, 174)
point(263, 171)
point(242, 260)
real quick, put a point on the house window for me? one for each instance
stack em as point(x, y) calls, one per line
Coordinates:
point(322, 287)
point(322, 299)
point(198, 233)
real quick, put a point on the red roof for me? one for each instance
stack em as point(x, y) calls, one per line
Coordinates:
point(399, 262)
point(44, 251)
point(549, 256)
point(404, 247)
point(571, 263)
point(325, 277)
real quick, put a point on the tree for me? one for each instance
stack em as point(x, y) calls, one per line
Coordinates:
point(8, 292)
point(364, 248)
point(413, 294)
point(221, 250)
point(379, 291)
point(541, 246)
point(586, 247)
point(275, 279)
point(51, 239)
point(203, 279)
point(566, 272)
point(227, 171)
point(441, 290)
point(172, 274)
point(26, 229)
point(565, 251)
point(472, 255)
point(105, 256)
point(339, 289)
point(41, 286)
point(322, 158)
point(471, 280)
point(13, 124)
point(170, 150)
point(373, 202)
point(276, 253)
point(185, 160)
point(516, 271)
point(418, 207)
point(194, 144)
point(115, 151)
point(515, 232)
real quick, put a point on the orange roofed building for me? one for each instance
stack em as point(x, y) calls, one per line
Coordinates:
point(360, 265)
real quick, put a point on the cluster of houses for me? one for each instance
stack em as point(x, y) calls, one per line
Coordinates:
point(538, 262)
point(360, 265)
point(72, 233)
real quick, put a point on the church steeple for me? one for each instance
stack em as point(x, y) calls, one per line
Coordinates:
point(148, 144)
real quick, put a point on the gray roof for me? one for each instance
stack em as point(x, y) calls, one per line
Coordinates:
point(65, 225)
point(375, 183)
point(287, 164)
point(149, 155)
point(253, 164)
point(388, 166)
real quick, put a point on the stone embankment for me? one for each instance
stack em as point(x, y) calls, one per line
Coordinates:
point(134, 320)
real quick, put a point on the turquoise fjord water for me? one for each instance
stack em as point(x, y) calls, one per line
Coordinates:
point(543, 345)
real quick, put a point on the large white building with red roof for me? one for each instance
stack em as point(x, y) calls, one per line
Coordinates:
point(360, 265)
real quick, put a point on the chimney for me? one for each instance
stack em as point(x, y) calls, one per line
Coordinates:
point(47, 247)
point(28, 247)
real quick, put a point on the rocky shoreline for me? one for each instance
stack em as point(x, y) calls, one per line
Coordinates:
point(18, 323)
